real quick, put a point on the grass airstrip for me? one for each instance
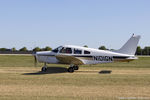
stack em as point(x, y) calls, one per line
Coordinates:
point(20, 80)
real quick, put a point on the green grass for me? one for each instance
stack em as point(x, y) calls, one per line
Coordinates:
point(16, 61)
point(28, 61)
point(20, 80)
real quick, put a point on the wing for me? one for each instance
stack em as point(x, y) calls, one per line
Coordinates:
point(67, 59)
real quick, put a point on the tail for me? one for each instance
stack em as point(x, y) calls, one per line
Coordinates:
point(130, 46)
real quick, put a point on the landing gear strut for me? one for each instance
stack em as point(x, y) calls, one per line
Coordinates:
point(76, 67)
point(44, 68)
point(72, 68)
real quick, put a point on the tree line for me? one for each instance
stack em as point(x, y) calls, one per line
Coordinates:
point(139, 51)
point(47, 48)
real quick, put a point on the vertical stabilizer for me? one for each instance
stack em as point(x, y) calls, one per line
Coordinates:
point(130, 46)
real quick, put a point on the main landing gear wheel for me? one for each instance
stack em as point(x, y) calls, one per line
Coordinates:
point(71, 69)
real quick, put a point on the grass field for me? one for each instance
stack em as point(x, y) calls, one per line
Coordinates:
point(20, 80)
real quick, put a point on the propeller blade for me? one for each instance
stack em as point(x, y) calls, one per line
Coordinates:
point(35, 60)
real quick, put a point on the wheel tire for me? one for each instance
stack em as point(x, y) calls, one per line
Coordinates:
point(44, 69)
point(76, 67)
point(71, 69)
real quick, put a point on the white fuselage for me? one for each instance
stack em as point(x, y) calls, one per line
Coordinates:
point(85, 55)
point(76, 55)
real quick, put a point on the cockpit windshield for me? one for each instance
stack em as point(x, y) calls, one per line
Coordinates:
point(57, 49)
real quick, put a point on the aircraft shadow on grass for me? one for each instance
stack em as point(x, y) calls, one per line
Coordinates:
point(100, 72)
point(57, 70)
point(50, 70)
point(105, 72)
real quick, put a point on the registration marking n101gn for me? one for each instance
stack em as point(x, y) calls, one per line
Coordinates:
point(103, 58)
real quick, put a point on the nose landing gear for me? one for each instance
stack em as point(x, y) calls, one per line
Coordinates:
point(44, 68)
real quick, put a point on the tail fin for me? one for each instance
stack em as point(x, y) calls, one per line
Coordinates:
point(130, 46)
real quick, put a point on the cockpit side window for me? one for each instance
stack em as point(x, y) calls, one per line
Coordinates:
point(77, 51)
point(66, 50)
point(86, 52)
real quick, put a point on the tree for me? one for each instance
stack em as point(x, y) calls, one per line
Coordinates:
point(146, 51)
point(2, 49)
point(138, 51)
point(13, 49)
point(102, 48)
point(47, 48)
point(85, 46)
point(37, 49)
point(23, 49)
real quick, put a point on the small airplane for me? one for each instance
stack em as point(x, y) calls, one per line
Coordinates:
point(76, 55)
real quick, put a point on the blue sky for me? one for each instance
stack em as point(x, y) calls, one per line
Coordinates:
point(52, 23)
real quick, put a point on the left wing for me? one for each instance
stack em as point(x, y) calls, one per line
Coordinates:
point(67, 59)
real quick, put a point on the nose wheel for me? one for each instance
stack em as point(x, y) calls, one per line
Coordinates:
point(44, 68)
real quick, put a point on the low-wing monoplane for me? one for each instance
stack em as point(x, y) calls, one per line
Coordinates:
point(76, 55)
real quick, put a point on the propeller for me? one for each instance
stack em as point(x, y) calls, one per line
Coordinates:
point(35, 59)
